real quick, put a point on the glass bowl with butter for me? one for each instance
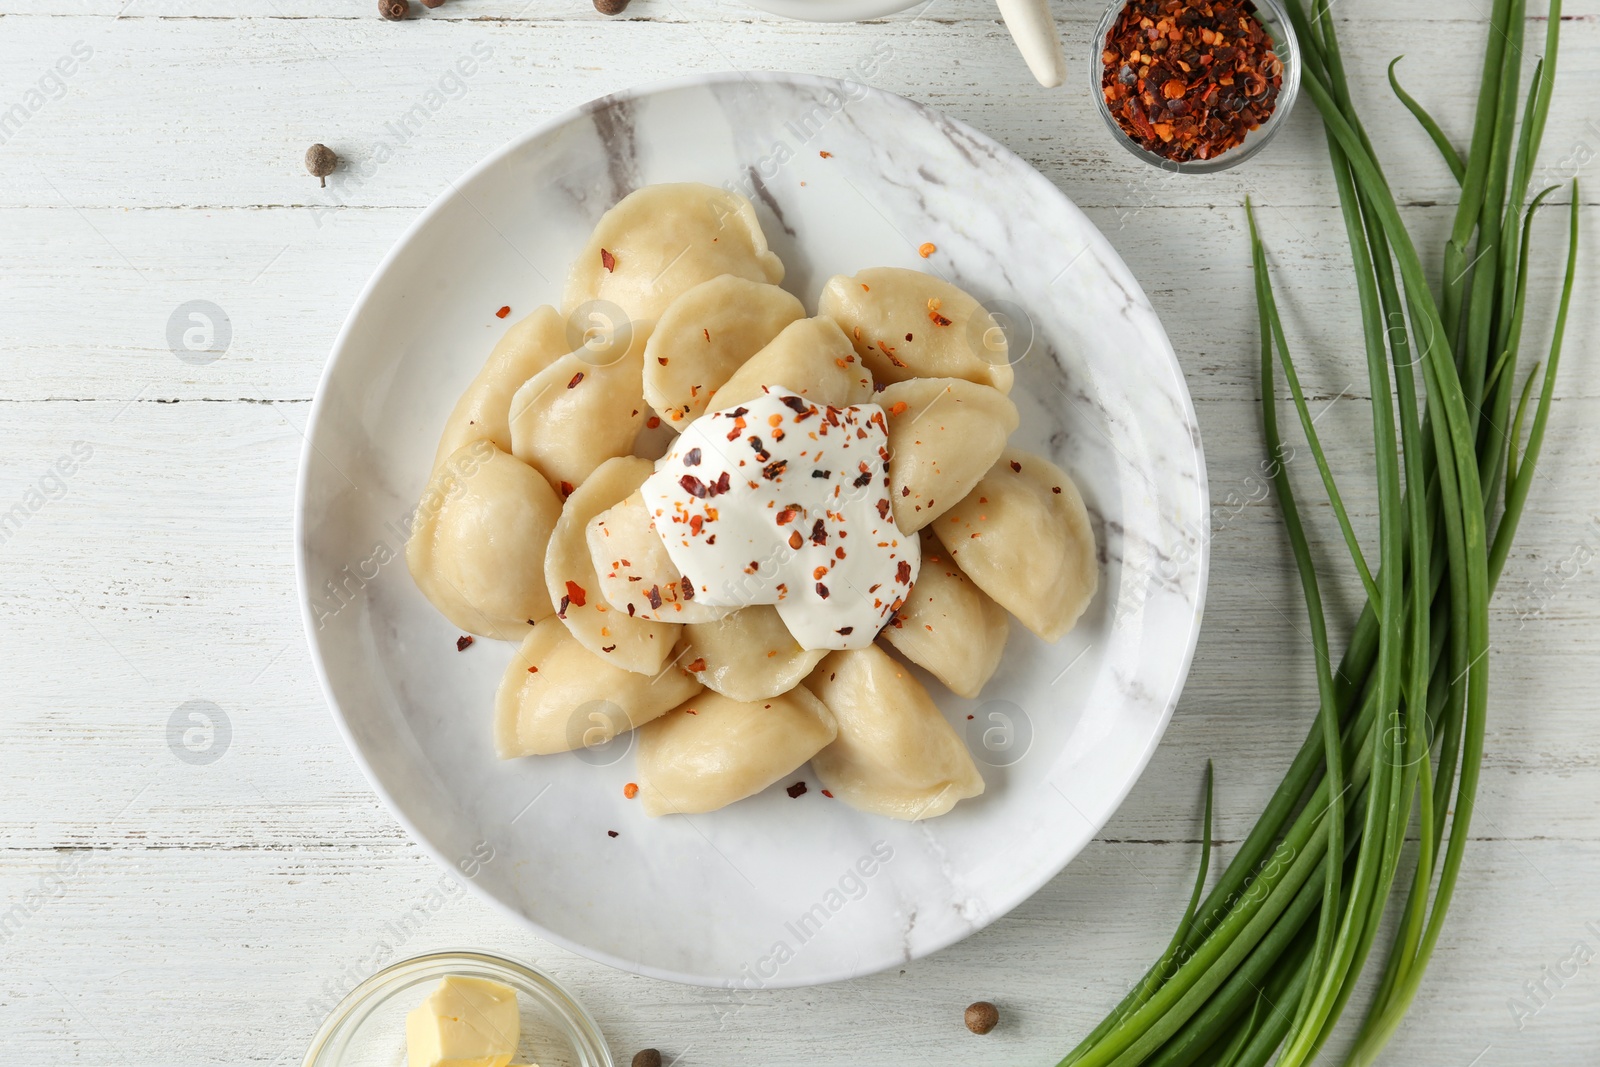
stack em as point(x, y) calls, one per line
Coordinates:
point(454, 1006)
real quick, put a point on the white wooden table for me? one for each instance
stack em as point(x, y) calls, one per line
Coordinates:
point(161, 910)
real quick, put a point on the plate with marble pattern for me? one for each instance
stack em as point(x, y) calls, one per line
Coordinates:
point(775, 890)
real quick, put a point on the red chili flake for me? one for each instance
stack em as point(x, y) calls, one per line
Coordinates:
point(695, 524)
point(908, 337)
point(1055, 489)
point(608, 261)
point(576, 378)
point(796, 790)
point(575, 594)
point(718, 487)
point(691, 458)
point(566, 489)
point(898, 407)
point(883, 509)
point(630, 790)
point(608, 648)
point(1016, 466)
point(774, 470)
point(845, 631)
point(902, 572)
point(819, 533)
point(697, 666)
point(822, 591)
point(825, 155)
point(795, 540)
point(653, 421)
point(688, 588)
point(938, 319)
point(787, 515)
point(827, 794)
point(611, 833)
point(819, 572)
point(533, 670)
point(561, 609)
point(693, 486)
point(503, 312)
point(631, 609)
point(1189, 80)
point(822, 474)
point(707, 332)
point(796, 404)
point(653, 594)
point(463, 643)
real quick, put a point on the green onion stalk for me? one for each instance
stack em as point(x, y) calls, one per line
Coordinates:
point(1265, 964)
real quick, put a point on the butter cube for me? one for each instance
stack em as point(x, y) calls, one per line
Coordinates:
point(465, 1022)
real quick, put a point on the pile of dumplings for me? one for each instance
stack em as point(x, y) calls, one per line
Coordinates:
point(541, 447)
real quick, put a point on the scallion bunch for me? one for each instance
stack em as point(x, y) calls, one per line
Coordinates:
point(1266, 963)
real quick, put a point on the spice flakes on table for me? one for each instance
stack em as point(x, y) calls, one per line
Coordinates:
point(1189, 79)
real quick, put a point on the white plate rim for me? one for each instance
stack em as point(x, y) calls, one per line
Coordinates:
point(1201, 559)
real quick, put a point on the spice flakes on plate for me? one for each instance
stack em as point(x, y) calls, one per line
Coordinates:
point(782, 501)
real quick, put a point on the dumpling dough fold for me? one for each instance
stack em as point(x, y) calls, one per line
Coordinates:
point(478, 540)
point(906, 324)
point(1023, 536)
point(574, 585)
point(557, 696)
point(895, 754)
point(484, 411)
point(713, 751)
point(948, 626)
point(660, 241)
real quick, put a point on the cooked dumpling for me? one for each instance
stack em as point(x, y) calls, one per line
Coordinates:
point(1023, 536)
point(948, 626)
point(557, 695)
point(746, 655)
point(906, 324)
point(895, 754)
point(637, 576)
point(484, 411)
point(577, 413)
point(713, 750)
point(632, 644)
point(478, 542)
point(707, 334)
point(663, 240)
point(944, 434)
point(810, 357)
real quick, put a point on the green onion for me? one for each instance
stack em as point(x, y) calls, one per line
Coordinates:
point(1264, 966)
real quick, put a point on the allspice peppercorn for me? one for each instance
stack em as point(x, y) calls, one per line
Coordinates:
point(982, 1017)
point(647, 1057)
point(611, 7)
point(430, 4)
point(321, 161)
point(394, 10)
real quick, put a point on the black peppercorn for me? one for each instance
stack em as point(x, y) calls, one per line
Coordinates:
point(320, 161)
point(394, 10)
point(611, 7)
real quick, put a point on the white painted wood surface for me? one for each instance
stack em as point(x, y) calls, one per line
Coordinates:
point(155, 911)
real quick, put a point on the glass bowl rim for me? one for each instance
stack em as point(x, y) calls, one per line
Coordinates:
point(1287, 47)
point(577, 1024)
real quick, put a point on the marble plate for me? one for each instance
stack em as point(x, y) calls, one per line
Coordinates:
point(772, 891)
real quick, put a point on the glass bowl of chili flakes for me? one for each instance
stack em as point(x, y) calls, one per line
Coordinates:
point(1195, 86)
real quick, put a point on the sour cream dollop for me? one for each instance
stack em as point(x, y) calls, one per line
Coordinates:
point(783, 501)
